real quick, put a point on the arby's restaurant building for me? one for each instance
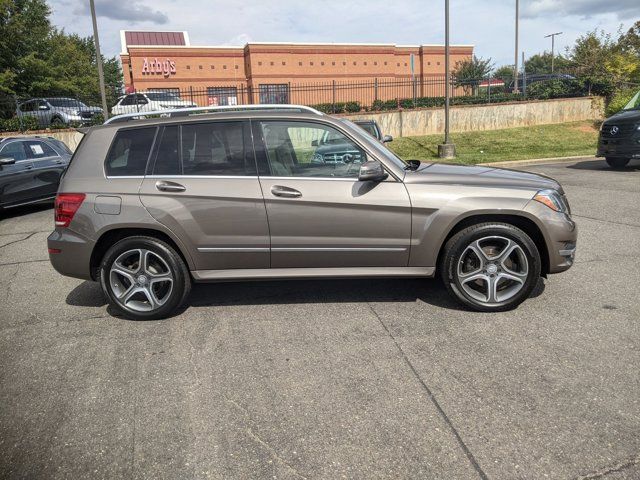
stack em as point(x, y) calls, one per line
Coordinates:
point(279, 72)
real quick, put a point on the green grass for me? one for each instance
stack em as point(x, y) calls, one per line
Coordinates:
point(541, 141)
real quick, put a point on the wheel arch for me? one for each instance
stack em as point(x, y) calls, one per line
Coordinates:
point(524, 223)
point(114, 235)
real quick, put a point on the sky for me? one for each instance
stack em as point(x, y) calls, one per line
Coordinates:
point(489, 26)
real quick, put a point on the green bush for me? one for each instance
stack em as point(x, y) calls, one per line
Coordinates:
point(338, 107)
point(555, 89)
point(618, 100)
point(16, 125)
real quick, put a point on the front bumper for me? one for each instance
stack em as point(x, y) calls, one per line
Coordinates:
point(628, 147)
point(73, 257)
point(560, 234)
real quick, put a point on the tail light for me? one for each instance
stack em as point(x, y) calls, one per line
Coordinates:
point(66, 206)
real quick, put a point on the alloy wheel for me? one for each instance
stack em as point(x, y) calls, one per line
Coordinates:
point(141, 280)
point(492, 269)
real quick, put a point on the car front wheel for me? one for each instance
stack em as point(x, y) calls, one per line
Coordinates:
point(617, 162)
point(144, 278)
point(490, 266)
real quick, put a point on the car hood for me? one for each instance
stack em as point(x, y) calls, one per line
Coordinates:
point(628, 116)
point(473, 175)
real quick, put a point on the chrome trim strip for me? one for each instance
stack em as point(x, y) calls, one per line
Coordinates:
point(232, 249)
point(568, 252)
point(199, 176)
point(338, 249)
point(302, 273)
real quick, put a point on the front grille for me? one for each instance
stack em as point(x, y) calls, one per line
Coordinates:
point(617, 130)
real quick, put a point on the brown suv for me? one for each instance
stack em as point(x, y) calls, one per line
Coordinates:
point(148, 206)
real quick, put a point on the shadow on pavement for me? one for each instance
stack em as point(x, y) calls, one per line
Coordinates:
point(600, 164)
point(87, 294)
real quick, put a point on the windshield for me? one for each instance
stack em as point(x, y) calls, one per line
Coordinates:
point(379, 147)
point(66, 102)
point(163, 96)
point(634, 103)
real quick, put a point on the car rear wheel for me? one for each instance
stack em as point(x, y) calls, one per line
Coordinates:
point(617, 162)
point(490, 267)
point(144, 278)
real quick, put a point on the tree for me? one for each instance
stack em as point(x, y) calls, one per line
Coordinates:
point(541, 63)
point(37, 59)
point(470, 72)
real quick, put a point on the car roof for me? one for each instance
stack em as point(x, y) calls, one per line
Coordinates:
point(222, 115)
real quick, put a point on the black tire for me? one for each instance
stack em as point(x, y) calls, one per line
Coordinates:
point(459, 244)
point(57, 122)
point(160, 252)
point(616, 162)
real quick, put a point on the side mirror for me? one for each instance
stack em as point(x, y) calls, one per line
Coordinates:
point(7, 161)
point(372, 171)
point(314, 143)
point(387, 139)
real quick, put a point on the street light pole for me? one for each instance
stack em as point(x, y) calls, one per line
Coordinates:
point(515, 62)
point(105, 112)
point(446, 149)
point(553, 38)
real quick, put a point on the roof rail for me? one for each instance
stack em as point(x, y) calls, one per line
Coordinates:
point(180, 112)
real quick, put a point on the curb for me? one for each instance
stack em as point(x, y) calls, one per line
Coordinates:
point(538, 161)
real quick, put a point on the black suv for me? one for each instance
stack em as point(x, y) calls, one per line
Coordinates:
point(619, 140)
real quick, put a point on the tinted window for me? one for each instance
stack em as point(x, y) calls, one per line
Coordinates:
point(39, 150)
point(168, 155)
point(128, 100)
point(300, 149)
point(370, 128)
point(27, 107)
point(66, 102)
point(215, 149)
point(61, 146)
point(13, 150)
point(129, 152)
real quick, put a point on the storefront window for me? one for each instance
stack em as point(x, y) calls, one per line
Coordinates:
point(274, 93)
point(222, 95)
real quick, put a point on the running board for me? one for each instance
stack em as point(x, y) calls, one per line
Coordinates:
point(284, 273)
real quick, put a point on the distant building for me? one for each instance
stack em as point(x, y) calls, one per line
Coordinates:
point(266, 72)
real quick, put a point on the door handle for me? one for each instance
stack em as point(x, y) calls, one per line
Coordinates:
point(28, 167)
point(170, 187)
point(286, 192)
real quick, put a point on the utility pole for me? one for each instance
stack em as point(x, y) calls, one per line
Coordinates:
point(553, 38)
point(446, 149)
point(515, 62)
point(105, 112)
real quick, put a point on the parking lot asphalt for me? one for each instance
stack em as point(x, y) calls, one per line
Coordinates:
point(332, 378)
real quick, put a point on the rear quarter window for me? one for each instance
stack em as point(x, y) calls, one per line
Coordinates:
point(129, 152)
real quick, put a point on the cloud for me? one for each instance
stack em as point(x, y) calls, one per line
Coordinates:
point(127, 10)
point(623, 9)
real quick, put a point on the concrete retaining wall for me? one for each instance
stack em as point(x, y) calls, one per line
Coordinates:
point(486, 117)
point(466, 118)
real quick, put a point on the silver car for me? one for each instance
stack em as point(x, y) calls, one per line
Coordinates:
point(58, 111)
point(149, 206)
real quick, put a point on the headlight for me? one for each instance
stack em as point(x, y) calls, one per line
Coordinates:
point(553, 200)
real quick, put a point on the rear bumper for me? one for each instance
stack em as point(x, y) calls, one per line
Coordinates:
point(74, 253)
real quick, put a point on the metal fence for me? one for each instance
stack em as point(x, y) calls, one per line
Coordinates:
point(334, 97)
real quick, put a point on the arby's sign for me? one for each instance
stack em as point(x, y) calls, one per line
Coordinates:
point(154, 66)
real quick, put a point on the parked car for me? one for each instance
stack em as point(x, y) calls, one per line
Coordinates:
point(332, 148)
point(58, 111)
point(30, 169)
point(149, 206)
point(149, 102)
point(619, 139)
point(373, 129)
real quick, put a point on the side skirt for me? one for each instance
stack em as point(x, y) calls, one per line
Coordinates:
point(285, 273)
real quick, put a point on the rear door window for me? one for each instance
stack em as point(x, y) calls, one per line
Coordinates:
point(168, 152)
point(38, 150)
point(129, 152)
point(216, 148)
